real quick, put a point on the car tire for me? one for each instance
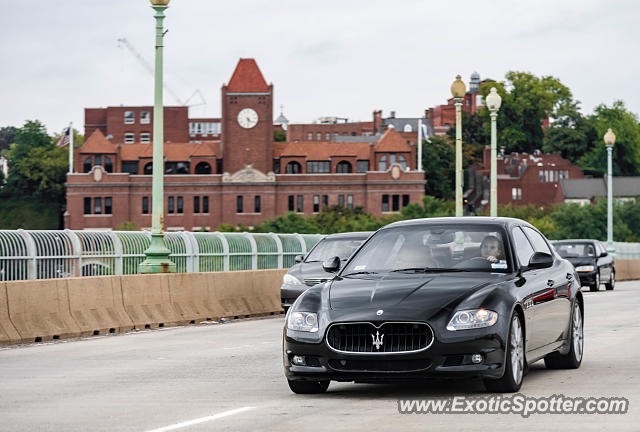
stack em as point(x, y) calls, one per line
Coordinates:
point(573, 358)
point(596, 283)
point(308, 387)
point(515, 366)
point(612, 282)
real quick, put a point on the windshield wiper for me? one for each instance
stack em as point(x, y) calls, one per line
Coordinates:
point(358, 273)
point(429, 270)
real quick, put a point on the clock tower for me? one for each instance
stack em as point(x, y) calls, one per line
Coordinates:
point(247, 120)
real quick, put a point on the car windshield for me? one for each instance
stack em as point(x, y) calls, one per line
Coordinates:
point(432, 248)
point(575, 250)
point(329, 248)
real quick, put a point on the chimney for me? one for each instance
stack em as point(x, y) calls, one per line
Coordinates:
point(392, 114)
point(377, 121)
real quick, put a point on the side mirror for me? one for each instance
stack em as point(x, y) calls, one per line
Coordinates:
point(540, 260)
point(603, 254)
point(331, 265)
point(298, 259)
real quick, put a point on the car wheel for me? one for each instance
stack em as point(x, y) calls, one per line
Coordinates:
point(573, 358)
point(596, 283)
point(612, 282)
point(308, 387)
point(515, 362)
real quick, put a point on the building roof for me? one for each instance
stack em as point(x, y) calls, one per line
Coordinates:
point(392, 141)
point(247, 78)
point(623, 187)
point(321, 150)
point(98, 143)
point(173, 152)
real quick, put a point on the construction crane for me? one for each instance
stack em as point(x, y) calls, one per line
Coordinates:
point(124, 42)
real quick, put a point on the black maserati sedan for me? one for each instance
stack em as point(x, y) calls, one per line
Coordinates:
point(593, 263)
point(308, 270)
point(456, 297)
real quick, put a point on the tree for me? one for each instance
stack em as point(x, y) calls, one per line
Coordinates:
point(571, 135)
point(279, 135)
point(626, 152)
point(526, 102)
point(7, 135)
point(438, 160)
point(474, 138)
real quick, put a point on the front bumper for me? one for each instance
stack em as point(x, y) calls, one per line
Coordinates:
point(587, 278)
point(450, 359)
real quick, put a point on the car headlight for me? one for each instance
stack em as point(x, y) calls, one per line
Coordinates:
point(473, 318)
point(585, 268)
point(303, 321)
point(291, 280)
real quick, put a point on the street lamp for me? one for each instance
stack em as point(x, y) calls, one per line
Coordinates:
point(609, 141)
point(157, 260)
point(493, 103)
point(458, 90)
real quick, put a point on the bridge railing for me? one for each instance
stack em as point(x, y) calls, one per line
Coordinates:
point(37, 254)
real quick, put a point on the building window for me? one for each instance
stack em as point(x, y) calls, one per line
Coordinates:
point(257, 204)
point(300, 204)
point(176, 167)
point(385, 203)
point(276, 166)
point(130, 167)
point(180, 205)
point(107, 205)
point(86, 166)
point(145, 205)
point(97, 160)
point(382, 164)
point(395, 202)
point(145, 137)
point(148, 168)
point(405, 200)
point(325, 201)
point(327, 136)
point(516, 193)
point(205, 204)
point(343, 167)
point(341, 200)
point(294, 168)
point(129, 117)
point(350, 201)
point(408, 128)
point(316, 203)
point(196, 204)
point(541, 176)
point(291, 202)
point(203, 168)
point(129, 138)
point(108, 165)
point(402, 161)
point(97, 206)
point(87, 205)
point(239, 204)
point(171, 205)
point(145, 117)
point(319, 136)
point(362, 166)
point(318, 167)
point(310, 136)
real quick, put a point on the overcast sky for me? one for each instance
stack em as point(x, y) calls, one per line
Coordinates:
point(343, 58)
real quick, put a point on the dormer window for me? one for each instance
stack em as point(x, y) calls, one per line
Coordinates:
point(145, 117)
point(129, 117)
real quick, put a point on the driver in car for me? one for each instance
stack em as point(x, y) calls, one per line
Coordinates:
point(491, 249)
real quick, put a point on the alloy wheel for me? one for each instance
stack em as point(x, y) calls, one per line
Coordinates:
point(578, 337)
point(517, 350)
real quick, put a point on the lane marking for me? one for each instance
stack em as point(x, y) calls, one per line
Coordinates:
point(201, 420)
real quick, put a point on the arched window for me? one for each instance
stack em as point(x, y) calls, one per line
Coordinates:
point(108, 165)
point(382, 164)
point(294, 168)
point(148, 168)
point(203, 168)
point(86, 166)
point(402, 161)
point(343, 167)
point(408, 128)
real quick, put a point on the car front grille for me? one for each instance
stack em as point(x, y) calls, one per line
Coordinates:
point(379, 365)
point(314, 281)
point(378, 338)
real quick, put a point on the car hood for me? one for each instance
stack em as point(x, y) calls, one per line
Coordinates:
point(311, 270)
point(411, 292)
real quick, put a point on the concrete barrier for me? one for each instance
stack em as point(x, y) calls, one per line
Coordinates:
point(96, 305)
point(194, 297)
point(39, 310)
point(627, 270)
point(8, 333)
point(147, 300)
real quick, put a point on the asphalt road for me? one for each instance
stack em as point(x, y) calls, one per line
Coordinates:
point(229, 377)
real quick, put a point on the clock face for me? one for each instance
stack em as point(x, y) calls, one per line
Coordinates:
point(247, 118)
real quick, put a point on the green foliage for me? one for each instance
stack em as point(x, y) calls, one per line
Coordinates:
point(127, 226)
point(27, 213)
point(7, 136)
point(438, 161)
point(571, 135)
point(279, 135)
point(475, 136)
point(289, 223)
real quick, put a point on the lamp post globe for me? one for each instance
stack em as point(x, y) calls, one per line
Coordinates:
point(458, 89)
point(160, 2)
point(493, 102)
point(609, 138)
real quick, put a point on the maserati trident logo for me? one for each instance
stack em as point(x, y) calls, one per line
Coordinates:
point(377, 340)
point(379, 312)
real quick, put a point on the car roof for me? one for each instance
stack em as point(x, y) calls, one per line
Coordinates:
point(350, 235)
point(576, 241)
point(465, 220)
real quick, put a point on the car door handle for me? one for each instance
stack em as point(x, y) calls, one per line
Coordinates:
point(550, 283)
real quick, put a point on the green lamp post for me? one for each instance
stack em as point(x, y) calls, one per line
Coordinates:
point(609, 141)
point(458, 90)
point(157, 260)
point(493, 103)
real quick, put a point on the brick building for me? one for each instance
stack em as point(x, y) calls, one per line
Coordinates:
point(231, 173)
